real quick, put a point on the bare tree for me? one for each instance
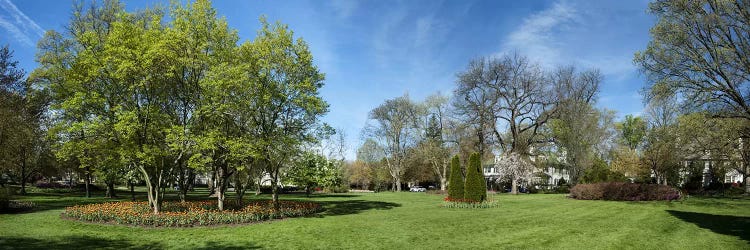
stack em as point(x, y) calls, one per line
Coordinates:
point(512, 99)
point(504, 94)
point(396, 129)
point(699, 49)
point(508, 93)
point(433, 148)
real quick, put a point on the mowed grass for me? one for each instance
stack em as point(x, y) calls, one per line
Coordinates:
point(412, 221)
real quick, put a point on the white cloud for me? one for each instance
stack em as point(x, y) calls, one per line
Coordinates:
point(535, 37)
point(18, 24)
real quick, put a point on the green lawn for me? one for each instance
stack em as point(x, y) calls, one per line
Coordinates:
point(414, 221)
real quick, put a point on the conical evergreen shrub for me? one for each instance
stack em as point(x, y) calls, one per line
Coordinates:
point(475, 188)
point(456, 180)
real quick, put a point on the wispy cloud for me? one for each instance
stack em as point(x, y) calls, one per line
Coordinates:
point(344, 8)
point(572, 32)
point(18, 24)
point(536, 35)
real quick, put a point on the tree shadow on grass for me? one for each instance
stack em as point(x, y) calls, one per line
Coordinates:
point(345, 207)
point(332, 195)
point(213, 245)
point(722, 224)
point(75, 242)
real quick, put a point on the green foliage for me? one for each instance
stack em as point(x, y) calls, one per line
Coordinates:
point(475, 188)
point(456, 179)
point(313, 170)
point(433, 131)
point(24, 147)
point(600, 172)
point(158, 95)
point(580, 130)
point(633, 131)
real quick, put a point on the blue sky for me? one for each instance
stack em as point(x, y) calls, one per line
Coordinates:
point(375, 50)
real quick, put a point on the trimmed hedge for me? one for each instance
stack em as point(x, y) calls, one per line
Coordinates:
point(187, 214)
point(621, 191)
point(456, 180)
point(475, 188)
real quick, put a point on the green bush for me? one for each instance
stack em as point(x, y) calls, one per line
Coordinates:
point(456, 180)
point(475, 188)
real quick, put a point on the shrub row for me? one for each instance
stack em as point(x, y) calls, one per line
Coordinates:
point(194, 213)
point(620, 191)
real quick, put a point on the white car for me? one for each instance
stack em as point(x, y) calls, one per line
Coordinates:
point(417, 189)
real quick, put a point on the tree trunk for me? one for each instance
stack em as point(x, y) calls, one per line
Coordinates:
point(211, 186)
point(398, 184)
point(23, 186)
point(514, 186)
point(111, 189)
point(70, 180)
point(132, 190)
point(220, 186)
point(191, 181)
point(260, 182)
point(240, 188)
point(88, 182)
point(23, 177)
point(181, 181)
point(443, 183)
point(152, 187)
point(275, 188)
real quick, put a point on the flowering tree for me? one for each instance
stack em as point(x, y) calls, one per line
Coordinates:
point(514, 166)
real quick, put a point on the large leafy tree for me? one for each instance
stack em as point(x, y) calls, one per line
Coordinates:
point(84, 86)
point(312, 170)
point(24, 148)
point(286, 102)
point(212, 124)
point(632, 131)
point(201, 46)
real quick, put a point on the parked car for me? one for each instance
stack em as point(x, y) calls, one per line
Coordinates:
point(417, 189)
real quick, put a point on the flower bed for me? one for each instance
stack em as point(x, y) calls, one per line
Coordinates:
point(449, 202)
point(187, 214)
point(620, 191)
